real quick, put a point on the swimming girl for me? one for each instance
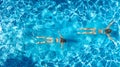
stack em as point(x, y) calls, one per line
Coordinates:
point(106, 31)
point(49, 40)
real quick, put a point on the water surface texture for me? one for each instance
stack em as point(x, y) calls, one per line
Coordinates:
point(22, 20)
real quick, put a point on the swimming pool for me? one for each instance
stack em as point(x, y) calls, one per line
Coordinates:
point(21, 21)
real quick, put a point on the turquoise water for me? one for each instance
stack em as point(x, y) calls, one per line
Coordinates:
point(22, 20)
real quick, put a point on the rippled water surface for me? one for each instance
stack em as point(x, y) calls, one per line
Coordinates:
point(22, 20)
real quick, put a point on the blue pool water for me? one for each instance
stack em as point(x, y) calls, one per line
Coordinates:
point(22, 20)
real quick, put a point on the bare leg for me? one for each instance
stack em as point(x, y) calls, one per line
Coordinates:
point(43, 42)
point(93, 31)
point(86, 28)
point(40, 37)
point(46, 40)
point(49, 39)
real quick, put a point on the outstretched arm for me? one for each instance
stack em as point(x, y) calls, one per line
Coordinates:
point(61, 37)
point(111, 39)
point(60, 34)
point(112, 21)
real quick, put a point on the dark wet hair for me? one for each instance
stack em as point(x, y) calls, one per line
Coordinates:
point(62, 40)
point(107, 31)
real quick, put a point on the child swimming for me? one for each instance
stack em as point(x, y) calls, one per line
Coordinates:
point(106, 31)
point(49, 40)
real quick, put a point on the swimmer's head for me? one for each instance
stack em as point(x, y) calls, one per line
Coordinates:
point(107, 31)
point(62, 40)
